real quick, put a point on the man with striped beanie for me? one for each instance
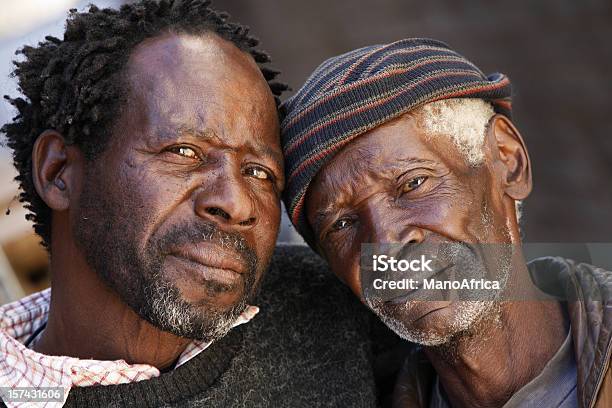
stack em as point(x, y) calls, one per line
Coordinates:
point(406, 152)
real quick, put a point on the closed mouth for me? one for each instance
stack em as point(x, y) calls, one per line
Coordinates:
point(205, 272)
point(210, 263)
point(211, 256)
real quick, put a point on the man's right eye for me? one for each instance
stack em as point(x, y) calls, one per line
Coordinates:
point(341, 224)
point(184, 151)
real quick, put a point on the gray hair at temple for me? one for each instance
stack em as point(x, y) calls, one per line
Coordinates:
point(465, 121)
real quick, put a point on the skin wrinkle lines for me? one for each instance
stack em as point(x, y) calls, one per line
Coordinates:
point(486, 185)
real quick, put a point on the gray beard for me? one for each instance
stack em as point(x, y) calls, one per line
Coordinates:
point(469, 312)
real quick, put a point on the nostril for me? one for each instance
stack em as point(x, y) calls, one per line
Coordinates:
point(216, 211)
point(413, 241)
point(248, 222)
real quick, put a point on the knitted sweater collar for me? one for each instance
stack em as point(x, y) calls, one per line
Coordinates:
point(184, 383)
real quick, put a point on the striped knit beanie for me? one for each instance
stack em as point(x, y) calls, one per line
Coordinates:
point(355, 92)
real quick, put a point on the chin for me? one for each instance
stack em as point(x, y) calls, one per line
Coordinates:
point(204, 287)
point(204, 318)
point(432, 323)
point(206, 296)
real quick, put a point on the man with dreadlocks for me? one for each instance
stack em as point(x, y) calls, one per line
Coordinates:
point(147, 145)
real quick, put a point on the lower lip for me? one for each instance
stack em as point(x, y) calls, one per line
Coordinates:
point(208, 272)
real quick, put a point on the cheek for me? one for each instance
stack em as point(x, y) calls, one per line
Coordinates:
point(269, 213)
point(262, 237)
point(147, 198)
point(457, 216)
point(487, 212)
point(445, 217)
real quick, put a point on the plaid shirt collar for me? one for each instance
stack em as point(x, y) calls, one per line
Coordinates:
point(22, 367)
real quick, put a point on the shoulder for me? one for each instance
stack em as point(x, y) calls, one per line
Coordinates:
point(300, 288)
point(570, 280)
point(300, 282)
point(301, 261)
point(298, 266)
point(335, 343)
point(311, 335)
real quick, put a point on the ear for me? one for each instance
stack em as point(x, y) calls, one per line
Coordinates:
point(510, 157)
point(53, 170)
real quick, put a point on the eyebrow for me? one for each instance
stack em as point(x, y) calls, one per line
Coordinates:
point(274, 155)
point(415, 160)
point(320, 216)
point(205, 135)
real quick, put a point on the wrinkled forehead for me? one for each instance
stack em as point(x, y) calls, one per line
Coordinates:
point(385, 152)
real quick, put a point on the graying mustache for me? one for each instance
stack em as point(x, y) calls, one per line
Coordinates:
point(225, 239)
point(206, 233)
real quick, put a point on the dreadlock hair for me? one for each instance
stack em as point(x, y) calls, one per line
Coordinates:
point(74, 85)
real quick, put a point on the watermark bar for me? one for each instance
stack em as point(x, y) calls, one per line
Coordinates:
point(32, 394)
point(459, 271)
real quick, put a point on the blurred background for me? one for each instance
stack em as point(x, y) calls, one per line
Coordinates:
point(556, 52)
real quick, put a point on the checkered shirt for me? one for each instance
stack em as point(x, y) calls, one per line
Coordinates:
point(23, 367)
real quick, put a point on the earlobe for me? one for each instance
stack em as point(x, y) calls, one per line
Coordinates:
point(49, 170)
point(512, 156)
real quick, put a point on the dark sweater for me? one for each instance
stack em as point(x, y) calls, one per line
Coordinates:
point(309, 346)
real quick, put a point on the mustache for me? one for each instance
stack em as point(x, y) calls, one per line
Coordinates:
point(190, 233)
point(445, 251)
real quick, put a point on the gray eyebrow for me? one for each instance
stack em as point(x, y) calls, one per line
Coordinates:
point(415, 160)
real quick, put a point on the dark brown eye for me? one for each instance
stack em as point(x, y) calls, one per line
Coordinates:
point(258, 173)
point(413, 184)
point(341, 224)
point(184, 151)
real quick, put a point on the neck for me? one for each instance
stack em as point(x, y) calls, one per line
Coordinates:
point(486, 370)
point(88, 320)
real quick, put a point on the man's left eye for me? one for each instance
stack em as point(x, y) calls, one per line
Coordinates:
point(258, 173)
point(413, 184)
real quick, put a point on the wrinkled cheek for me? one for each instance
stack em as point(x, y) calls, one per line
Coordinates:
point(147, 200)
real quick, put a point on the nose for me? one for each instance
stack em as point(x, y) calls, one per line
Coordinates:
point(387, 225)
point(411, 235)
point(380, 226)
point(225, 200)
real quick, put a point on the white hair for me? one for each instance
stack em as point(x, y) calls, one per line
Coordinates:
point(465, 121)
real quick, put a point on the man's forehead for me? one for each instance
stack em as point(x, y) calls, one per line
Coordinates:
point(191, 82)
point(385, 153)
point(176, 48)
point(192, 63)
point(390, 145)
